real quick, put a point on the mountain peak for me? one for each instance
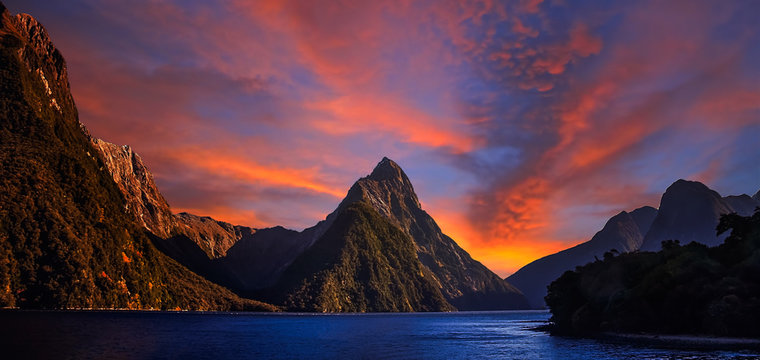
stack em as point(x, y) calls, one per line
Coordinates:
point(683, 190)
point(689, 211)
point(386, 188)
point(687, 185)
point(387, 169)
point(757, 196)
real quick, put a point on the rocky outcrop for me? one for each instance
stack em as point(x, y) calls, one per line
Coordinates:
point(143, 200)
point(623, 232)
point(43, 62)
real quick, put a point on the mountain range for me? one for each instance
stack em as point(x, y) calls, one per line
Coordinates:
point(83, 225)
point(689, 211)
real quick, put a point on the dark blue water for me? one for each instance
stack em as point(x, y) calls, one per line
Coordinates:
point(162, 335)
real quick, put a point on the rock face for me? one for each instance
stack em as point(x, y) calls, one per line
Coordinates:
point(149, 208)
point(623, 232)
point(66, 240)
point(690, 211)
point(143, 200)
point(40, 59)
point(464, 282)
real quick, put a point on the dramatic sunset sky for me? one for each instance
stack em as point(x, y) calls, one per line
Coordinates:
point(523, 125)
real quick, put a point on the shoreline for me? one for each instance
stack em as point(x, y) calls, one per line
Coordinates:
point(304, 313)
point(672, 341)
point(682, 341)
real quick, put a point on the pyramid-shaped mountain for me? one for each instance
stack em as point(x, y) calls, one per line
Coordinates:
point(68, 238)
point(385, 202)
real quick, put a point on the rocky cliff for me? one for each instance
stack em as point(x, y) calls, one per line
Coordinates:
point(143, 200)
point(66, 240)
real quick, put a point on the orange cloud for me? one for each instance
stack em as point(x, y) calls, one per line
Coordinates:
point(247, 170)
point(352, 114)
point(504, 258)
point(232, 215)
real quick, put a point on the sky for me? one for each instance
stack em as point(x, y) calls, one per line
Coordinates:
point(523, 125)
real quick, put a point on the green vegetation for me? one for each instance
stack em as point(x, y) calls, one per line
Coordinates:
point(363, 263)
point(688, 289)
point(65, 238)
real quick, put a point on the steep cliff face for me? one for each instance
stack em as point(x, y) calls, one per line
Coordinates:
point(42, 62)
point(148, 207)
point(65, 238)
point(143, 200)
point(623, 232)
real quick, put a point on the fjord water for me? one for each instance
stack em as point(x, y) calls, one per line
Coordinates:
point(170, 335)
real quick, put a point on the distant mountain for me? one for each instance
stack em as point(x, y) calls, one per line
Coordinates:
point(214, 237)
point(623, 232)
point(69, 237)
point(689, 211)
